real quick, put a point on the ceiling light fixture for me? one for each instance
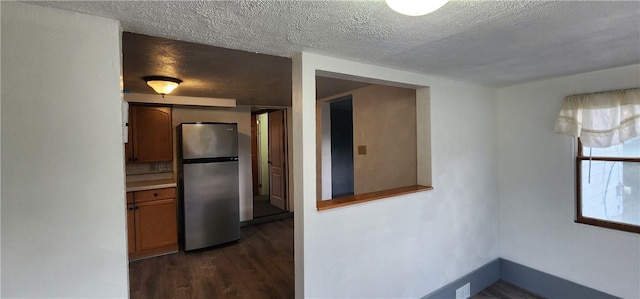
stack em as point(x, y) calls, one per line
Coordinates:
point(415, 7)
point(161, 84)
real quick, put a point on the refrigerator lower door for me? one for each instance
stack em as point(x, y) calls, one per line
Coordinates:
point(211, 204)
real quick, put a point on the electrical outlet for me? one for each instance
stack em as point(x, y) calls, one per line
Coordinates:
point(464, 292)
point(362, 149)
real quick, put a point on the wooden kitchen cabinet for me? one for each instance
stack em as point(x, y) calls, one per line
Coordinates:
point(150, 132)
point(131, 224)
point(156, 224)
point(131, 228)
point(152, 222)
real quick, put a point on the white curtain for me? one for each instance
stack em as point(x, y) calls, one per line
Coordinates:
point(601, 119)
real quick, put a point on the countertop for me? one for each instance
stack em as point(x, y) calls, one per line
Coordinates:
point(152, 184)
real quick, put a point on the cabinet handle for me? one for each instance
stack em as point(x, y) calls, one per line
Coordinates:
point(131, 209)
point(155, 194)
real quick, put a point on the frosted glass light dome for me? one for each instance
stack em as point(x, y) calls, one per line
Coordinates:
point(162, 85)
point(415, 7)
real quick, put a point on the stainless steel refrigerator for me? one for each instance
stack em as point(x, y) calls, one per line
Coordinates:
point(208, 184)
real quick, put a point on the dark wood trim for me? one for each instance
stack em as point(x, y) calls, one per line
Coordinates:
point(580, 154)
point(360, 198)
point(266, 110)
point(608, 224)
point(254, 155)
point(612, 159)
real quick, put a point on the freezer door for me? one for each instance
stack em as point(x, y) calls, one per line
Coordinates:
point(211, 204)
point(209, 140)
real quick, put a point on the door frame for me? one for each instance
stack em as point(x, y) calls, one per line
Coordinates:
point(286, 158)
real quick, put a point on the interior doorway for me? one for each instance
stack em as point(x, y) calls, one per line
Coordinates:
point(341, 114)
point(268, 162)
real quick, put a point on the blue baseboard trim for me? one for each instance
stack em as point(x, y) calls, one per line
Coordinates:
point(546, 285)
point(480, 279)
point(530, 279)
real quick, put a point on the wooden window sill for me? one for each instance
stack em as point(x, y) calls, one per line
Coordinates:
point(360, 198)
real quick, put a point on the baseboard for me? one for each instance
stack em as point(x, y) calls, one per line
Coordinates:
point(530, 279)
point(479, 280)
point(266, 219)
point(546, 284)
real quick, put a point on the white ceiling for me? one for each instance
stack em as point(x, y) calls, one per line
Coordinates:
point(492, 43)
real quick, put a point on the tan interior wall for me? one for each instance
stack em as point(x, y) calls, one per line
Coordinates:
point(384, 120)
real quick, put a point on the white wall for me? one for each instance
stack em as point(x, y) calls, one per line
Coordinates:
point(323, 150)
point(63, 192)
point(240, 115)
point(537, 198)
point(411, 245)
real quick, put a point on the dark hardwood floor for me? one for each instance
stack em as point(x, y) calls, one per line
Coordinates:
point(505, 290)
point(260, 265)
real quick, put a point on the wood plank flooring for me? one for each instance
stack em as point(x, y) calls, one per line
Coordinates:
point(505, 290)
point(260, 265)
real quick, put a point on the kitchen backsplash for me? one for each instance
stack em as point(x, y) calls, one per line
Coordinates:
point(148, 168)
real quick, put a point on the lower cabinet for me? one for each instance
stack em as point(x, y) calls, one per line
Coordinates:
point(131, 223)
point(152, 222)
point(156, 224)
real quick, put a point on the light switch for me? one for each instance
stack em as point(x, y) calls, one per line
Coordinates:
point(362, 149)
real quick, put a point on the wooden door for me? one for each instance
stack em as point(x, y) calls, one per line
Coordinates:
point(156, 224)
point(152, 134)
point(277, 191)
point(254, 155)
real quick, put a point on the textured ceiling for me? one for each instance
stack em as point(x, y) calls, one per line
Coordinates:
point(206, 71)
point(493, 43)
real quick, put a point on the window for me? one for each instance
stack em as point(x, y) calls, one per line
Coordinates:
point(608, 193)
point(608, 161)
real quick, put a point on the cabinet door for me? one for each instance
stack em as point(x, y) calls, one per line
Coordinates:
point(156, 224)
point(128, 147)
point(131, 227)
point(152, 132)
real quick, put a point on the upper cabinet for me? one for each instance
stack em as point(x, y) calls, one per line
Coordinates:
point(149, 134)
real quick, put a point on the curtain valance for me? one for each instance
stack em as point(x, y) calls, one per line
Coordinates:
point(601, 119)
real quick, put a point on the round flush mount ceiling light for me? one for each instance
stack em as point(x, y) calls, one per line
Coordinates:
point(415, 7)
point(162, 85)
